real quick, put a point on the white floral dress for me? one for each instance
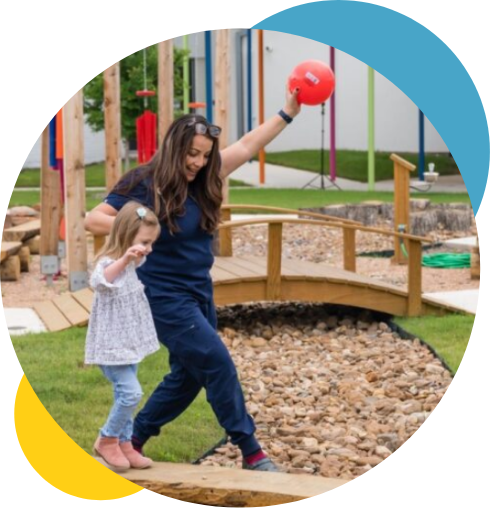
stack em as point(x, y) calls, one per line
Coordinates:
point(121, 329)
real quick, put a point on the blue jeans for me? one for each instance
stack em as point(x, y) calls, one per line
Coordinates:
point(127, 395)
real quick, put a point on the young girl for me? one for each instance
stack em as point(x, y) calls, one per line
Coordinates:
point(121, 330)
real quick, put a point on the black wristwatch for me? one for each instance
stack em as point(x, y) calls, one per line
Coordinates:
point(285, 116)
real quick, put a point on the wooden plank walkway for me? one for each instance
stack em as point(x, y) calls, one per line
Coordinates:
point(244, 279)
point(214, 486)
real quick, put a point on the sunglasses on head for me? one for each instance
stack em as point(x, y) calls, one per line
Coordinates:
point(201, 128)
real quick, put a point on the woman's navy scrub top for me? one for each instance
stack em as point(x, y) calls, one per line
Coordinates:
point(176, 274)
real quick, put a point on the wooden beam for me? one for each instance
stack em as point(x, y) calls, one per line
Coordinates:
point(112, 124)
point(218, 486)
point(274, 255)
point(225, 235)
point(76, 239)
point(401, 203)
point(222, 93)
point(50, 203)
point(165, 87)
point(350, 250)
point(414, 305)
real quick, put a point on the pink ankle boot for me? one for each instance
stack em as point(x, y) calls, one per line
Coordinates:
point(108, 449)
point(136, 460)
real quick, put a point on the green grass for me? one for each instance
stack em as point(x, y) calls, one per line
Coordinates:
point(284, 198)
point(352, 164)
point(79, 398)
point(94, 177)
point(448, 335)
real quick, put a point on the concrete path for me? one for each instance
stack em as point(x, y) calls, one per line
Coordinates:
point(466, 300)
point(289, 178)
point(22, 321)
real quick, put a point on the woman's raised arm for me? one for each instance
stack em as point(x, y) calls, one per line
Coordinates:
point(233, 156)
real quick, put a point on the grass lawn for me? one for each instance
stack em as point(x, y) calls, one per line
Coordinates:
point(285, 198)
point(78, 397)
point(352, 164)
point(94, 177)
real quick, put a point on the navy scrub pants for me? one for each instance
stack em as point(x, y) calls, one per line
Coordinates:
point(198, 358)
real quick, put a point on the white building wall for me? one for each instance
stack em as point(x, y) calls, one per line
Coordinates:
point(396, 116)
point(94, 149)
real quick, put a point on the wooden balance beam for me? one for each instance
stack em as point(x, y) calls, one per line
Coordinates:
point(219, 486)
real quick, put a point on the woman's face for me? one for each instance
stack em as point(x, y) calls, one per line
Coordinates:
point(197, 156)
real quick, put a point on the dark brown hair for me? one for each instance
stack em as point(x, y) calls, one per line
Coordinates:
point(169, 186)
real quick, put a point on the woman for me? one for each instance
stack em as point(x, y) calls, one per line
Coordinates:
point(182, 184)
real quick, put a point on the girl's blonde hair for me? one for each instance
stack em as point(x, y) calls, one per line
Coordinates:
point(125, 228)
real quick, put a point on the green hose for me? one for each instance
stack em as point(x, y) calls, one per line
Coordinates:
point(447, 260)
point(442, 260)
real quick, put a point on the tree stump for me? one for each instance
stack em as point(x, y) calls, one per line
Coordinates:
point(423, 222)
point(25, 258)
point(33, 244)
point(10, 269)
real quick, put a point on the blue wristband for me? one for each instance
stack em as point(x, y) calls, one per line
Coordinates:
point(285, 116)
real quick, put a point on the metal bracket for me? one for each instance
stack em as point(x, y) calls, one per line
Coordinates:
point(49, 265)
point(62, 249)
point(78, 280)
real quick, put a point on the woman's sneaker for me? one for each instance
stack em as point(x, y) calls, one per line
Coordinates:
point(265, 464)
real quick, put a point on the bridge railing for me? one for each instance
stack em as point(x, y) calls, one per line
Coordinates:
point(412, 243)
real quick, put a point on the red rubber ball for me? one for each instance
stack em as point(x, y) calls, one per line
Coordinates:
point(315, 80)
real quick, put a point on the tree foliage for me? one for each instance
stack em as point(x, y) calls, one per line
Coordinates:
point(131, 80)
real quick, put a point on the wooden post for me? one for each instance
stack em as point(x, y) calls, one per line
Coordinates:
point(225, 235)
point(401, 203)
point(50, 213)
point(165, 87)
point(76, 239)
point(350, 249)
point(274, 255)
point(414, 278)
point(222, 93)
point(112, 123)
point(475, 261)
point(260, 51)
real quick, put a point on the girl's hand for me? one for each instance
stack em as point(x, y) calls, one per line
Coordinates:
point(134, 253)
point(292, 107)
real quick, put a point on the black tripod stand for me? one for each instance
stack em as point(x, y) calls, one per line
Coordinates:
point(322, 176)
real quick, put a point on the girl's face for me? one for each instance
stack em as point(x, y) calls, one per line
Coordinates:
point(146, 236)
point(198, 156)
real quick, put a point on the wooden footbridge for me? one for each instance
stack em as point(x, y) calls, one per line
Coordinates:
point(240, 279)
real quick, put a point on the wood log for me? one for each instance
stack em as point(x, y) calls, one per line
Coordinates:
point(25, 258)
point(22, 232)
point(10, 269)
point(9, 249)
point(34, 245)
point(217, 486)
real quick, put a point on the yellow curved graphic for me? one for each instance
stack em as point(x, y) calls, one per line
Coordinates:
point(57, 458)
